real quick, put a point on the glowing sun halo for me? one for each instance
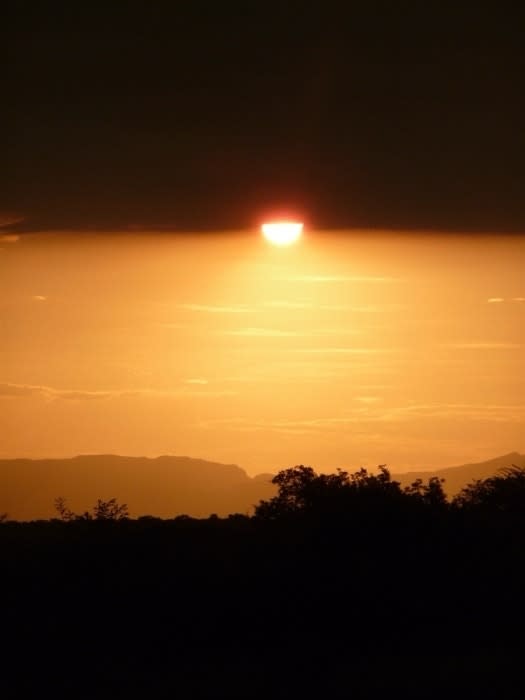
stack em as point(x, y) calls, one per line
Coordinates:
point(282, 232)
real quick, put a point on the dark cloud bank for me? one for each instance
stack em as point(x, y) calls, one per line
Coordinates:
point(205, 117)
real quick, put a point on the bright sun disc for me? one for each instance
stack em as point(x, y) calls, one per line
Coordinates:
point(282, 232)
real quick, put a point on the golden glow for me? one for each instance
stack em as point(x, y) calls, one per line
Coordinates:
point(351, 348)
point(282, 232)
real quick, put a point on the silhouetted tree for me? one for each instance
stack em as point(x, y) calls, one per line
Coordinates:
point(63, 511)
point(503, 493)
point(430, 494)
point(102, 510)
point(110, 510)
point(302, 490)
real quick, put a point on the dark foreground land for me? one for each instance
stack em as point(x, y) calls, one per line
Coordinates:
point(340, 586)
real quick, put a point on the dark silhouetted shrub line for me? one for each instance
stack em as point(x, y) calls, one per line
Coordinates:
point(343, 577)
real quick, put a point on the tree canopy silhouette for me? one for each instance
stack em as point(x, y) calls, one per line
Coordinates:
point(102, 510)
point(503, 493)
point(303, 491)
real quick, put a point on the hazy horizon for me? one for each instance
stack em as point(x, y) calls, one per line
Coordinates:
point(356, 348)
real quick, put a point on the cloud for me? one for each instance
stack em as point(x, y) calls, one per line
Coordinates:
point(360, 419)
point(277, 333)
point(10, 390)
point(82, 395)
point(337, 331)
point(217, 309)
point(500, 300)
point(499, 413)
point(484, 346)
point(9, 238)
point(19, 390)
point(281, 426)
point(343, 351)
point(39, 297)
point(375, 308)
point(306, 426)
point(47, 392)
point(339, 278)
point(197, 380)
point(209, 394)
point(261, 333)
point(268, 375)
point(285, 304)
point(8, 219)
point(299, 305)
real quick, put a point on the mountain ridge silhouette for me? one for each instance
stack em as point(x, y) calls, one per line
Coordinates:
point(459, 476)
point(168, 485)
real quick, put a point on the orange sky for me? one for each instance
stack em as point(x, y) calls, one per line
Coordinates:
point(342, 350)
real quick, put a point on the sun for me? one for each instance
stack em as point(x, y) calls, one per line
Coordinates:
point(282, 233)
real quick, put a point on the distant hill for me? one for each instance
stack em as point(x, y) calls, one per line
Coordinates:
point(164, 486)
point(168, 486)
point(458, 477)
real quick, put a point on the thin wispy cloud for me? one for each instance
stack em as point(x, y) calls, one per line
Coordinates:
point(261, 333)
point(48, 393)
point(339, 278)
point(375, 308)
point(483, 346)
point(39, 297)
point(278, 333)
point(268, 378)
point(217, 309)
point(284, 426)
point(360, 418)
point(10, 218)
point(343, 351)
point(208, 394)
point(285, 304)
point(306, 426)
point(499, 413)
point(501, 300)
point(337, 331)
point(9, 238)
point(310, 305)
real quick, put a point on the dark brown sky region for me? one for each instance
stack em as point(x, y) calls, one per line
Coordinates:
point(204, 116)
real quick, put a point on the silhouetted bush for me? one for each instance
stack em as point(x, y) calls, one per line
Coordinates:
point(102, 510)
point(503, 493)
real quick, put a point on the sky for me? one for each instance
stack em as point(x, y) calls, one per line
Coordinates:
point(199, 116)
point(347, 349)
point(142, 313)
